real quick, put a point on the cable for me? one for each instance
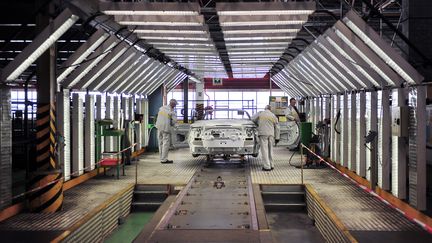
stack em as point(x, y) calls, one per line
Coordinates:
point(106, 51)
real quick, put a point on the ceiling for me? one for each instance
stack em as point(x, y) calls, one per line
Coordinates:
point(205, 38)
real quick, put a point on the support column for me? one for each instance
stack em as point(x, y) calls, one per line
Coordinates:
point(77, 136)
point(361, 134)
point(417, 143)
point(332, 126)
point(89, 133)
point(199, 87)
point(353, 132)
point(373, 127)
point(338, 127)
point(345, 155)
point(108, 115)
point(399, 151)
point(145, 112)
point(185, 100)
point(46, 170)
point(5, 148)
point(384, 138)
point(64, 130)
point(117, 120)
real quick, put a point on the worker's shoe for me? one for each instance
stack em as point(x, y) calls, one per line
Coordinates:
point(167, 162)
point(272, 168)
point(265, 169)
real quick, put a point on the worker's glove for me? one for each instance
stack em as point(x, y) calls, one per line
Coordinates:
point(276, 141)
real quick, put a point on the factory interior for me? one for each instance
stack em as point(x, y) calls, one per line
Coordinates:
point(216, 121)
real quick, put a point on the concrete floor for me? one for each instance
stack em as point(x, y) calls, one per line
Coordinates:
point(358, 210)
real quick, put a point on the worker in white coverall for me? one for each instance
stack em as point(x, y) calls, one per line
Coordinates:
point(165, 122)
point(291, 112)
point(268, 133)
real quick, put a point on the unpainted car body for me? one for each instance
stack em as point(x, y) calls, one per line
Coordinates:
point(224, 137)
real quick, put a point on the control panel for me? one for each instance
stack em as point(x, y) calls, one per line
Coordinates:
point(399, 121)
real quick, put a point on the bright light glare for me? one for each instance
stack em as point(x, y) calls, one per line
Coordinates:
point(257, 23)
point(266, 12)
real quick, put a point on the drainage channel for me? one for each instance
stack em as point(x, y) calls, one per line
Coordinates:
point(217, 205)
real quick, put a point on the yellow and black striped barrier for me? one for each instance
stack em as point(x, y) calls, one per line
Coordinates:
point(46, 171)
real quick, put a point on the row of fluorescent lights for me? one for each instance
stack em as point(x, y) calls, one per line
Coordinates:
point(103, 63)
point(348, 56)
point(177, 29)
point(256, 34)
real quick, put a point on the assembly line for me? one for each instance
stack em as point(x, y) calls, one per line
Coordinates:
point(215, 121)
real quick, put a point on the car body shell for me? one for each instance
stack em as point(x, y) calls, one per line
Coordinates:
point(224, 137)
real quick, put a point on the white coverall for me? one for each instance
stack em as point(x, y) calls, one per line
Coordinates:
point(291, 114)
point(166, 119)
point(268, 131)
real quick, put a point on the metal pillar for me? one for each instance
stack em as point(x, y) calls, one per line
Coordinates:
point(5, 148)
point(185, 100)
point(89, 140)
point(399, 152)
point(199, 87)
point(64, 130)
point(373, 127)
point(417, 143)
point(361, 134)
point(46, 170)
point(353, 132)
point(338, 127)
point(77, 135)
point(109, 141)
point(345, 155)
point(384, 142)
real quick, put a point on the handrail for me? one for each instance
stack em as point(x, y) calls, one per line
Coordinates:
point(62, 178)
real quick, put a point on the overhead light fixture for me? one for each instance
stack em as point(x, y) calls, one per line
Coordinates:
point(265, 8)
point(197, 53)
point(152, 67)
point(159, 23)
point(81, 54)
point(260, 31)
point(100, 53)
point(265, 53)
point(167, 48)
point(256, 44)
point(370, 57)
point(181, 44)
point(341, 62)
point(121, 75)
point(259, 38)
point(185, 32)
point(382, 49)
point(143, 12)
point(235, 49)
point(350, 59)
point(39, 45)
point(258, 23)
point(266, 12)
point(149, 8)
point(126, 58)
point(320, 66)
point(329, 63)
point(135, 73)
point(173, 38)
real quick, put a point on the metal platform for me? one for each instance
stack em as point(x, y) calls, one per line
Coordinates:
point(359, 211)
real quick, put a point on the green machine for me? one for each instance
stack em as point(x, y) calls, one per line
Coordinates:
point(104, 128)
point(305, 133)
